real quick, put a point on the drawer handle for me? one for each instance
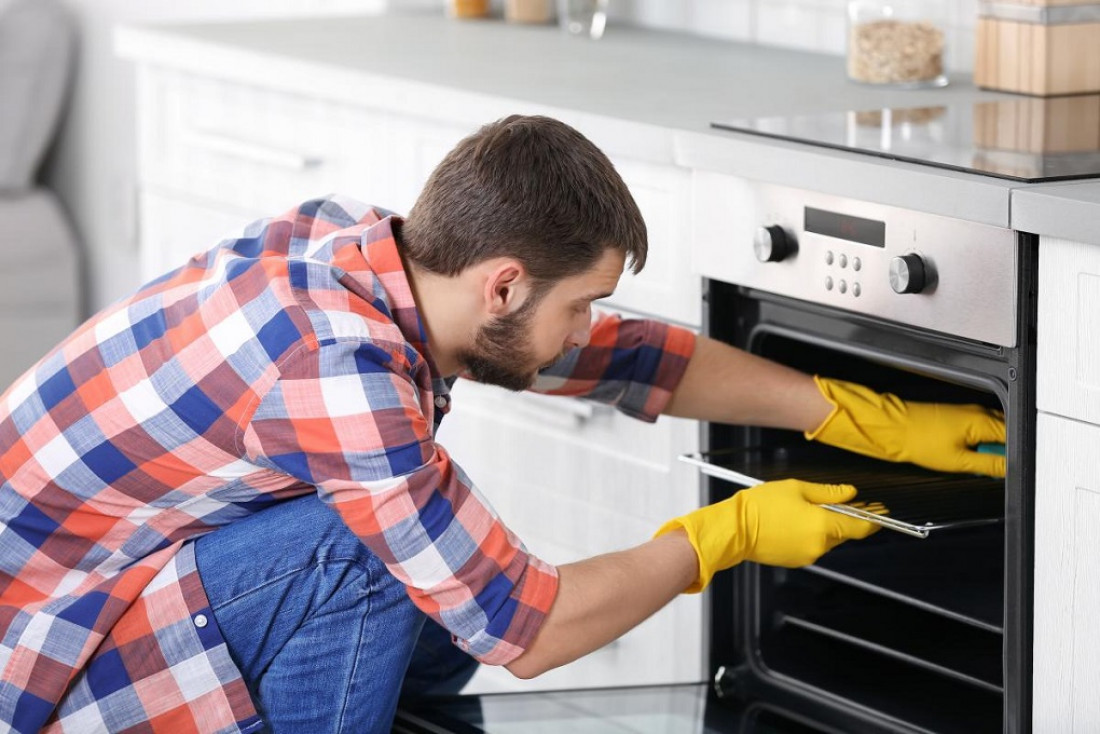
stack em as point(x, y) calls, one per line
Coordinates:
point(214, 143)
point(582, 410)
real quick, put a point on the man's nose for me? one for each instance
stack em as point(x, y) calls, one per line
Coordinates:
point(580, 337)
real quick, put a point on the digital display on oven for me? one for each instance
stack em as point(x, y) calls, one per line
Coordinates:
point(845, 227)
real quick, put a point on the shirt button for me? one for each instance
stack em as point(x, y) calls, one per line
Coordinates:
point(441, 401)
point(200, 620)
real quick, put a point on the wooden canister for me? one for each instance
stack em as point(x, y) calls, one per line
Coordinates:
point(1038, 47)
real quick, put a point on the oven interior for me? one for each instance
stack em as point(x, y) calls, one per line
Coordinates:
point(892, 633)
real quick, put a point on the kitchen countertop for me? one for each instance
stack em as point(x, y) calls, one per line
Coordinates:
point(1071, 211)
point(647, 94)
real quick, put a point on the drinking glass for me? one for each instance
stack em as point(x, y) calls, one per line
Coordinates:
point(583, 17)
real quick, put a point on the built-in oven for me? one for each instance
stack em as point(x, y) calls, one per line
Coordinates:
point(902, 632)
point(894, 633)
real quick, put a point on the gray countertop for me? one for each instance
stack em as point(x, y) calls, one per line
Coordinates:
point(646, 93)
point(1071, 211)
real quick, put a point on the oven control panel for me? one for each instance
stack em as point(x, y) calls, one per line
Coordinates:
point(924, 270)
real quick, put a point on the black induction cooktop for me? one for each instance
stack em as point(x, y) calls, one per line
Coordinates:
point(1029, 139)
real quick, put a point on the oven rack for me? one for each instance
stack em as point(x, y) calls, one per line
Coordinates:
point(919, 501)
point(912, 635)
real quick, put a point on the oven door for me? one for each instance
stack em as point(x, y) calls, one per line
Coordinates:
point(676, 709)
point(894, 633)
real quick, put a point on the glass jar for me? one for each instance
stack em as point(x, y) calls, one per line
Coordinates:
point(897, 43)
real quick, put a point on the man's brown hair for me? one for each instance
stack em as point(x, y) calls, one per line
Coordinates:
point(532, 188)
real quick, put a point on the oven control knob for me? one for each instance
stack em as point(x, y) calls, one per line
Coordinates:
point(771, 244)
point(908, 274)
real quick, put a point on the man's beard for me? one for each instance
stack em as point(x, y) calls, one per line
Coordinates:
point(502, 353)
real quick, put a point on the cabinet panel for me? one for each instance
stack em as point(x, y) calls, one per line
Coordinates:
point(1069, 329)
point(417, 148)
point(174, 228)
point(1067, 577)
point(254, 147)
point(667, 287)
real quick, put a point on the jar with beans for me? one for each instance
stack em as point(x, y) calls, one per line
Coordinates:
point(898, 43)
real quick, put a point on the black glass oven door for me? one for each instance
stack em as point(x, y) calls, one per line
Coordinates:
point(675, 709)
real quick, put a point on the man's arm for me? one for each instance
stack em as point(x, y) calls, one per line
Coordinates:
point(728, 385)
point(777, 523)
point(602, 598)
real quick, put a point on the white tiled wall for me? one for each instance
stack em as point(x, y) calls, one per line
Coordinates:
point(811, 25)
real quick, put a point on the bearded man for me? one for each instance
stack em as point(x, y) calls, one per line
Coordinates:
point(223, 507)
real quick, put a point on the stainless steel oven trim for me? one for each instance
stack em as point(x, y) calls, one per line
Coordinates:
point(972, 287)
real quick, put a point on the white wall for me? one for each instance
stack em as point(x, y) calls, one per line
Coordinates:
point(813, 25)
point(93, 167)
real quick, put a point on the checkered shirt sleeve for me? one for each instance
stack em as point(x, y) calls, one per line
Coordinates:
point(633, 364)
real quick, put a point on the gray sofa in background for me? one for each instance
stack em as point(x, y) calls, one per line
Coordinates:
point(40, 274)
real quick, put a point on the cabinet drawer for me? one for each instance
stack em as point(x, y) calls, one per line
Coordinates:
point(1069, 329)
point(255, 148)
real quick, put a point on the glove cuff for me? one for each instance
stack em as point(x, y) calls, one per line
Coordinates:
point(862, 421)
point(705, 573)
point(822, 384)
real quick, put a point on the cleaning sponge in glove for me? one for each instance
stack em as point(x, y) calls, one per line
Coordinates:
point(775, 523)
point(937, 436)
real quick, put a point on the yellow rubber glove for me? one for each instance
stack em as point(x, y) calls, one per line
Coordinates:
point(936, 436)
point(776, 523)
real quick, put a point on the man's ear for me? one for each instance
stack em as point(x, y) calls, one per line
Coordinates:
point(506, 286)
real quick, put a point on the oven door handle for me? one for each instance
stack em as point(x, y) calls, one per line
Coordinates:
point(699, 461)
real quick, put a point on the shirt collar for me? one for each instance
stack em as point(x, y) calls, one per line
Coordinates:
point(376, 264)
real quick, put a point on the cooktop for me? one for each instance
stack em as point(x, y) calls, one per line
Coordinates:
point(1028, 139)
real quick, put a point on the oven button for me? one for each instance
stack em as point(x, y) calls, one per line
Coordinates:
point(842, 287)
point(856, 263)
point(907, 274)
point(843, 261)
point(856, 290)
point(828, 257)
point(771, 244)
point(828, 283)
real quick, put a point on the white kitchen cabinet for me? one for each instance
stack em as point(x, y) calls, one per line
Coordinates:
point(174, 228)
point(1067, 490)
point(667, 287)
point(571, 478)
point(1067, 577)
point(1069, 329)
point(250, 147)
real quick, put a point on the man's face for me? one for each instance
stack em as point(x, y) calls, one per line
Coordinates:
point(510, 350)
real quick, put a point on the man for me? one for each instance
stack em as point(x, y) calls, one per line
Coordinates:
point(223, 505)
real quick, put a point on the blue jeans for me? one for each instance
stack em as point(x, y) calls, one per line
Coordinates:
point(326, 639)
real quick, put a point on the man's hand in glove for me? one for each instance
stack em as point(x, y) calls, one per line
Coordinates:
point(775, 523)
point(936, 436)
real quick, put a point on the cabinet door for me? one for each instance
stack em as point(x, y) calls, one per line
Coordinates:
point(417, 147)
point(1067, 577)
point(667, 287)
point(1069, 329)
point(575, 479)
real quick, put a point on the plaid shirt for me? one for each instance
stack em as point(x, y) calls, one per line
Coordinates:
point(286, 361)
